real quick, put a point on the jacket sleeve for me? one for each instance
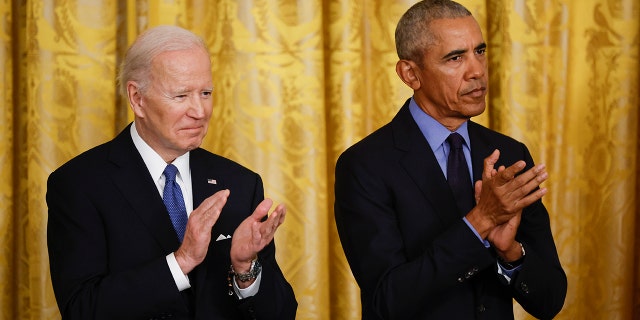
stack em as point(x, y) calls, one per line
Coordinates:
point(275, 298)
point(86, 284)
point(540, 286)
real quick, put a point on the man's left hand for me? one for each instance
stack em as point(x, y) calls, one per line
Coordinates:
point(253, 234)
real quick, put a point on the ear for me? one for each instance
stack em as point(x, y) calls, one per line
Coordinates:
point(407, 71)
point(134, 94)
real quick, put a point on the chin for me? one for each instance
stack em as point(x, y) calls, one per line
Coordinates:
point(476, 110)
point(191, 144)
point(194, 145)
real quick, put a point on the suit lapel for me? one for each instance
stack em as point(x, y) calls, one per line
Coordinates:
point(132, 177)
point(204, 179)
point(421, 164)
point(481, 147)
point(204, 183)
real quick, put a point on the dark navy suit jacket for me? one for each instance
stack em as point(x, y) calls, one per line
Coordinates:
point(409, 249)
point(109, 234)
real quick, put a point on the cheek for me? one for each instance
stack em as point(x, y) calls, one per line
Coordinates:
point(457, 86)
point(166, 120)
point(208, 110)
point(157, 109)
point(450, 89)
point(167, 123)
point(449, 83)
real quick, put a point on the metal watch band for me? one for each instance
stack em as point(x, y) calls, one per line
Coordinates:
point(256, 267)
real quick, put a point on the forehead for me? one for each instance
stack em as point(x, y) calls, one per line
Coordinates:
point(183, 65)
point(455, 34)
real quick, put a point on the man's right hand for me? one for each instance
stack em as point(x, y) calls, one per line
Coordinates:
point(501, 194)
point(198, 233)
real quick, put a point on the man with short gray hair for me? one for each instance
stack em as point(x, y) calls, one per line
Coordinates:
point(440, 217)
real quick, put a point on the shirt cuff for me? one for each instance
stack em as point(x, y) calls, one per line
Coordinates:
point(507, 273)
point(182, 280)
point(485, 242)
point(249, 291)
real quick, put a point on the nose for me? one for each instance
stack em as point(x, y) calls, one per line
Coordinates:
point(477, 67)
point(198, 107)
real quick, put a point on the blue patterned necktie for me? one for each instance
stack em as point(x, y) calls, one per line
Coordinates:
point(173, 200)
point(458, 174)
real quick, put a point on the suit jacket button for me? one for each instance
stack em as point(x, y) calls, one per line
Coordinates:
point(460, 279)
point(481, 308)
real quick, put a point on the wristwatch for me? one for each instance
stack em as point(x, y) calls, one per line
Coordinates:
point(255, 269)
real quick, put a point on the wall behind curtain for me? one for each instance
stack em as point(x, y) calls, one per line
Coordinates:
point(297, 82)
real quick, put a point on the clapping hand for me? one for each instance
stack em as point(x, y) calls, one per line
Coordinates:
point(500, 198)
point(254, 233)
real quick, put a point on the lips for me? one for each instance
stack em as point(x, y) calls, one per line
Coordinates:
point(193, 130)
point(476, 92)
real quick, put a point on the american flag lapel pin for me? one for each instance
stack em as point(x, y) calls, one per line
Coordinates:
point(212, 181)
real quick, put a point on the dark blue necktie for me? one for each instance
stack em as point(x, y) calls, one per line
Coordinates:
point(458, 174)
point(172, 198)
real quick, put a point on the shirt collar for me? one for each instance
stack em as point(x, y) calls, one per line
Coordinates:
point(154, 162)
point(433, 131)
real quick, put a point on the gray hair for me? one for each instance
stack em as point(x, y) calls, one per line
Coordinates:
point(413, 34)
point(136, 65)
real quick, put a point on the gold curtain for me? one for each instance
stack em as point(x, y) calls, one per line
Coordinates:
point(296, 82)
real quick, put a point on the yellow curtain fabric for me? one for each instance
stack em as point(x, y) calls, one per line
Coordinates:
point(296, 82)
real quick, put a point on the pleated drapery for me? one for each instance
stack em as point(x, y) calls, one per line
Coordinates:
point(297, 82)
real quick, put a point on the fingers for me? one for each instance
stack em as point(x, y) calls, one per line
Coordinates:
point(276, 218)
point(506, 175)
point(529, 180)
point(531, 198)
point(198, 233)
point(206, 215)
point(489, 162)
point(521, 187)
point(533, 178)
point(262, 209)
point(507, 190)
point(254, 234)
point(214, 203)
point(268, 228)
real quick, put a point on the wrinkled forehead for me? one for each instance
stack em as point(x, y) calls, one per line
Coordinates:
point(190, 68)
point(457, 32)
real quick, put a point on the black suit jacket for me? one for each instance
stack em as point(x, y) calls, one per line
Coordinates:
point(409, 249)
point(109, 233)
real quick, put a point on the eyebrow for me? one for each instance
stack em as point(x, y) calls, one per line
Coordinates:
point(462, 51)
